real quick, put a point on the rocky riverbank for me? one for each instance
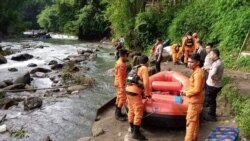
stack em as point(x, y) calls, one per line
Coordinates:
point(42, 87)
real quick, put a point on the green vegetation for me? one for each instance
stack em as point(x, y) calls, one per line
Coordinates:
point(240, 106)
point(82, 18)
point(19, 133)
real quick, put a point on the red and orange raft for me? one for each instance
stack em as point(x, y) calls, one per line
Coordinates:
point(167, 107)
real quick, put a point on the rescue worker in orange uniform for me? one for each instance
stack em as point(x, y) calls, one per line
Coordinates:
point(195, 98)
point(175, 48)
point(188, 46)
point(195, 36)
point(135, 91)
point(120, 81)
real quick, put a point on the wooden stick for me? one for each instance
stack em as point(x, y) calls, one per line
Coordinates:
point(243, 44)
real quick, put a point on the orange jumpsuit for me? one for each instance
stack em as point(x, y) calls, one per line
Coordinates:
point(175, 53)
point(188, 50)
point(135, 104)
point(120, 81)
point(195, 98)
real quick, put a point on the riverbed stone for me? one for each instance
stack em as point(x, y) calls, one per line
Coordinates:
point(6, 103)
point(85, 139)
point(110, 72)
point(53, 62)
point(2, 85)
point(40, 75)
point(25, 79)
point(111, 53)
point(44, 70)
point(84, 51)
point(32, 103)
point(97, 131)
point(47, 139)
point(76, 88)
point(32, 65)
point(57, 66)
point(22, 57)
point(3, 60)
point(92, 56)
point(12, 69)
point(15, 86)
point(8, 82)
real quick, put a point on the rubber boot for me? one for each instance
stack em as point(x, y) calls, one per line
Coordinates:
point(118, 114)
point(131, 128)
point(137, 133)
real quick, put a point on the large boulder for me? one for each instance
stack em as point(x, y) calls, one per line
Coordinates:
point(3, 60)
point(32, 103)
point(24, 79)
point(8, 82)
point(22, 57)
point(44, 70)
point(76, 88)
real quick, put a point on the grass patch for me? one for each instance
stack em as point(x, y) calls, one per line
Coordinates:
point(239, 105)
point(19, 133)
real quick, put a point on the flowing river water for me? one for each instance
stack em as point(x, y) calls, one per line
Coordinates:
point(60, 118)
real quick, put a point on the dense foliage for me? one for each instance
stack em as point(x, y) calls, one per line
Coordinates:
point(83, 18)
point(10, 17)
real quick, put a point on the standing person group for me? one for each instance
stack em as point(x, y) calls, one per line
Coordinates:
point(137, 87)
point(205, 84)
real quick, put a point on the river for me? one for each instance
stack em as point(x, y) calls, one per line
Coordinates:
point(60, 118)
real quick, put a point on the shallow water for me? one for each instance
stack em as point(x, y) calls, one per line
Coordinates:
point(66, 118)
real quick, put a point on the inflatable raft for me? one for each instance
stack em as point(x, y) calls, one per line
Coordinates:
point(167, 107)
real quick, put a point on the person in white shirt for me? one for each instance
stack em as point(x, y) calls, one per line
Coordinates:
point(214, 83)
point(158, 54)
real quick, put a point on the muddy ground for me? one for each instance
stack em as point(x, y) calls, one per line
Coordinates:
point(118, 131)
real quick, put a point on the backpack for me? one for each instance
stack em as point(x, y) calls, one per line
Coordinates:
point(189, 42)
point(133, 77)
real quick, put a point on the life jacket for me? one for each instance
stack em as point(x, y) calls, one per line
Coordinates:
point(189, 42)
point(133, 77)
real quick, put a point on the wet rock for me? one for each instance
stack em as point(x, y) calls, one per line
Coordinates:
point(40, 46)
point(75, 92)
point(47, 139)
point(96, 50)
point(3, 128)
point(48, 94)
point(57, 66)
point(93, 56)
point(8, 82)
point(75, 88)
point(32, 103)
point(3, 85)
point(87, 54)
point(88, 80)
point(78, 59)
point(3, 60)
point(25, 79)
point(75, 69)
point(56, 90)
point(40, 75)
point(28, 87)
point(44, 70)
point(53, 62)
point(97, 132)
point(111, 53)
point(15, 86)
point(85, 139)
point(26, 45)
point(6, 103)
point(22, 57)
point(12, 69)
point(84, 51)
point(32, 65)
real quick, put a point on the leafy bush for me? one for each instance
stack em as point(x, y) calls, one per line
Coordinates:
point(240, 106)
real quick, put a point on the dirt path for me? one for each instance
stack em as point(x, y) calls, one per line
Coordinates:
point(118, 131)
